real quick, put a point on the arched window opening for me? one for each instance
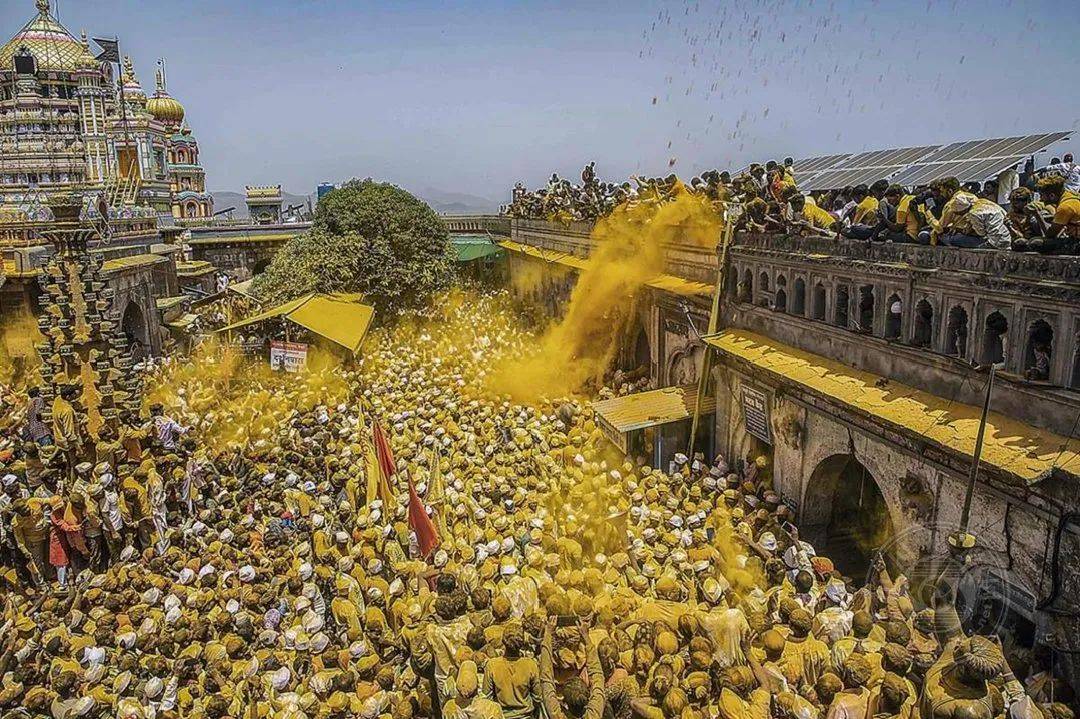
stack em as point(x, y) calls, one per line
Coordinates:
point(1075, 383)
point(818, 305)
point(746, 287)
point(840, 318)
point(894, 318)
point(1038, 353)
point(923, 332)
point(781, 300)
point(866, 309)
point(993, 344)
point(798, 297)
point(732, 279)
point(763, 288)
point(956, 332)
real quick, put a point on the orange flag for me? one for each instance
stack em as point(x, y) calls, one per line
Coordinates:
point(427, 537)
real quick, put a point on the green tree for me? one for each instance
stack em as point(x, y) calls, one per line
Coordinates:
point(369, 237)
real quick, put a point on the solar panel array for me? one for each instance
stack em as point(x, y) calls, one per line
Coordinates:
point(970, 161)
point(978, 160)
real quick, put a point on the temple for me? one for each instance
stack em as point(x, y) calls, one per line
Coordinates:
point(65, 128)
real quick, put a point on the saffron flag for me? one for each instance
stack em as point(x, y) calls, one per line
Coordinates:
point(382, 448)
point(379, 467)
point(437, 493)
point(427, 537)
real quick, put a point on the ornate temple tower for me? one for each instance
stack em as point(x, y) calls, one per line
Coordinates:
point(48, 80)
point(187, 179)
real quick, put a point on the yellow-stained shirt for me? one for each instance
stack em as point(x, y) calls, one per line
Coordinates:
point(818, 217)
point(866, 211)
point(514, 684)
point(65, 427)
point(1068, 213)
point(907, 216)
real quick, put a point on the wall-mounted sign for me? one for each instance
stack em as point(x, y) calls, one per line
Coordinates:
point(288, 356)
point(756, 413)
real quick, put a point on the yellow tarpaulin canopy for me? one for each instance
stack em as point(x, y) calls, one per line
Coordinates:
point(243, 289)
point(665, 282)
point(1021, 450)
point(620, 415)
point(339, 318)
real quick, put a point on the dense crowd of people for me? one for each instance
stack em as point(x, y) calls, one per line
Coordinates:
point(1037, 211)
point(246, 549)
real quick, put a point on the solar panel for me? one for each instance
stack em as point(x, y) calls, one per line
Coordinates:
point(976, 161)
point(970, 160)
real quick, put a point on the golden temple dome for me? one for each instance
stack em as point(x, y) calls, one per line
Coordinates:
point(53, 47)
point(164, 106)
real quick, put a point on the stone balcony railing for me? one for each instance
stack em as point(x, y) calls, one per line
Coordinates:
point(683, 260)
point(460, 224)
point(1005, 265)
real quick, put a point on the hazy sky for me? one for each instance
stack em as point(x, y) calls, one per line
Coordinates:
point(473, 95)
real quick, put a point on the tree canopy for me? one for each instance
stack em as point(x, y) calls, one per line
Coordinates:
point(370, 237)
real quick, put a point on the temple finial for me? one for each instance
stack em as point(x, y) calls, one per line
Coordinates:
point(43, 6)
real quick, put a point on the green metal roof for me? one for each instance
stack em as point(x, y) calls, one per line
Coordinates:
point(473, 247)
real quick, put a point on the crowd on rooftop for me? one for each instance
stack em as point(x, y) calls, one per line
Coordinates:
point(1033, 211)
point(489, 560)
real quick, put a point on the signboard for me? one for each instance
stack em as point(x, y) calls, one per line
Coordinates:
point(617, 438)
point(288, 356)
point(756, 413)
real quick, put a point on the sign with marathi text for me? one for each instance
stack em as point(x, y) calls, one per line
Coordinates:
point(756, 413)
point(288, 356)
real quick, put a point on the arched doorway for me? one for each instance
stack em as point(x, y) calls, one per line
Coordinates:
point(798, 299)
point(844, 514)
point(818, 304)
point(894, 319)
point(995, 329)
point(638, 356)
point(866, 309)
point(133, 325)
point(842, 299)
point(956, 332)
point(1039, 351)
point(922, 334)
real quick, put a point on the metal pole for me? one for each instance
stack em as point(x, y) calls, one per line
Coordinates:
point(965, 515)
point(714, 314)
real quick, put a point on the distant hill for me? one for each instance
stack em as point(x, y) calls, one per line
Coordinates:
point(456, 203)
point(447, 203)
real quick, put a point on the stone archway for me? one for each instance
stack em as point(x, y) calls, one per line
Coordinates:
point(684, 365)
point(133, 325)
point(845, 515)
point(260, 266)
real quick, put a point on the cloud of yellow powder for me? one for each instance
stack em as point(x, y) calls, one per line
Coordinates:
point(574, 353)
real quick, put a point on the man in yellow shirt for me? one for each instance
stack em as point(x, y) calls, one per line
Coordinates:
point(31, 531)
point(811, 218)
point(66, 426)
point(864, 221)
point(1063, 231)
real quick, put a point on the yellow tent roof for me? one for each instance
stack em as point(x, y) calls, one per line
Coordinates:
point(339, 318)
point(1019, 449)
point(667, 283)
point(652, 408)
point(243, 289)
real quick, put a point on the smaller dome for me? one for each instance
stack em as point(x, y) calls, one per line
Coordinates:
point(166, 108)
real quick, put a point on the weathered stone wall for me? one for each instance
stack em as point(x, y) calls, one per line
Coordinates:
point(137, 286)
point(812, 294)
point(1016, 526)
